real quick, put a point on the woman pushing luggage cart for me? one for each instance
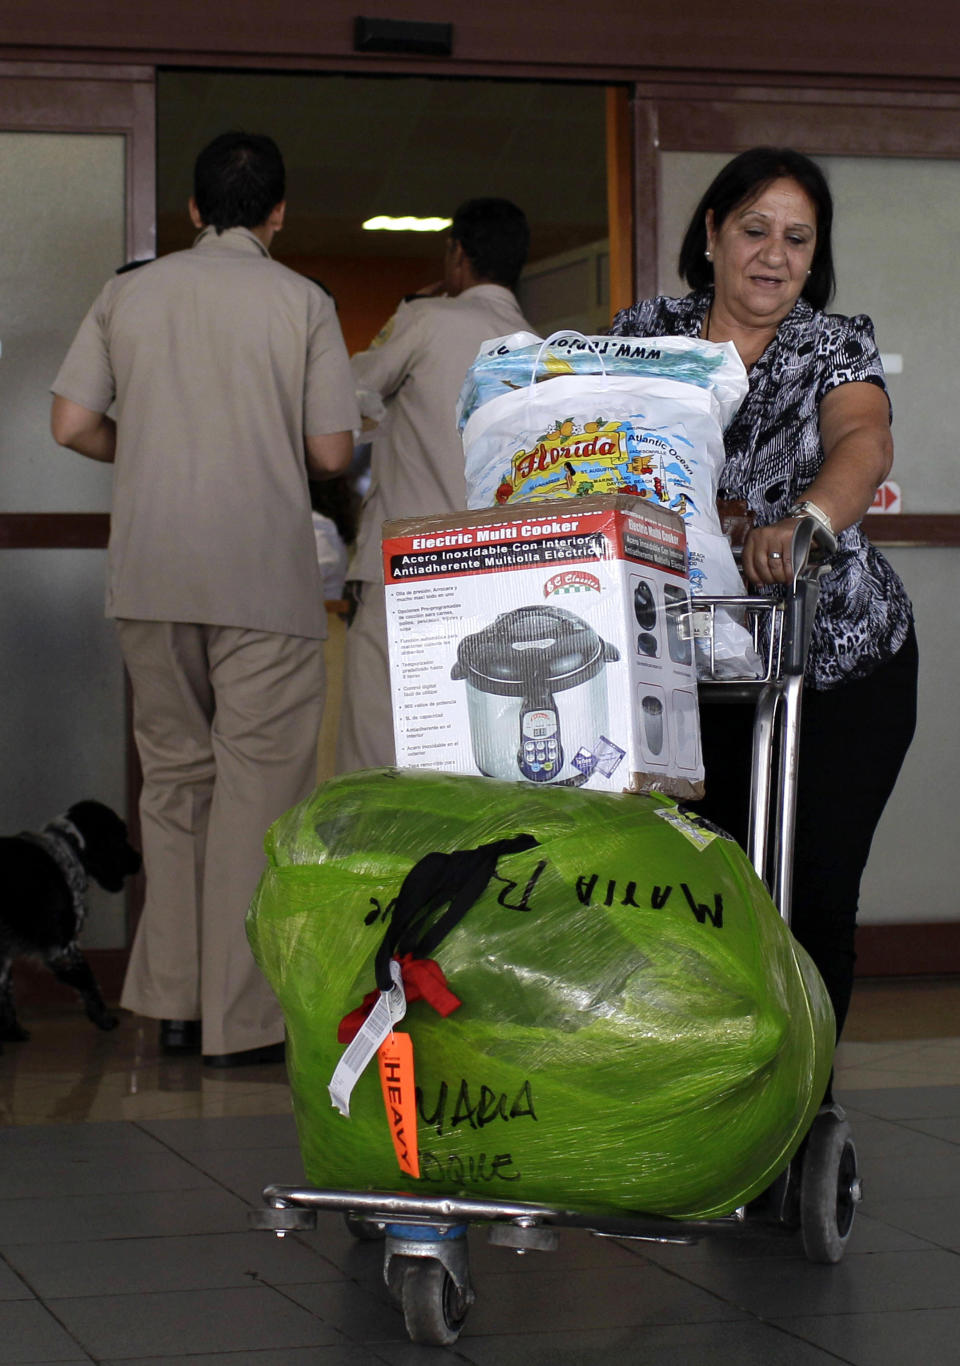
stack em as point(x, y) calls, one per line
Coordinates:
point(805, 452)
point(812, 436)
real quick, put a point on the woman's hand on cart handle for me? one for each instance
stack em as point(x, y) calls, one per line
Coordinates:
point(776, 553)
point(767, 557)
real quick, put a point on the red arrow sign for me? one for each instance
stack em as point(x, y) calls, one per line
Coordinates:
point(887, 498)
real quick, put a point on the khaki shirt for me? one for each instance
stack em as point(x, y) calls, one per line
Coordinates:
point(417, 365)
point(220, 360)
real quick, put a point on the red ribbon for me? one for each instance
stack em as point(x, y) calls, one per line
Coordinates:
point(423, 980)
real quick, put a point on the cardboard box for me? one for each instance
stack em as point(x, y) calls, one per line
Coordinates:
point(545, 642)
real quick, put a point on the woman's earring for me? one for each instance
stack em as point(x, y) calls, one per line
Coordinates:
point(709, 255)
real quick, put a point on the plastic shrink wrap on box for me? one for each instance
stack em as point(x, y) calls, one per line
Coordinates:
point(573, 415)
point(638, 1029)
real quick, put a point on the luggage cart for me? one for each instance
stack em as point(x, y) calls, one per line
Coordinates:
point(820, 1189)
point(426, 1267)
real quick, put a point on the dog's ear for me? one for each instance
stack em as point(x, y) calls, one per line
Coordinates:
point(94, 814)
point(97, 822)
point(108, 856)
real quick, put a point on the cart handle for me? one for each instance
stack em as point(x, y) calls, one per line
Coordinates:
point(810, 552)
point(811, 549)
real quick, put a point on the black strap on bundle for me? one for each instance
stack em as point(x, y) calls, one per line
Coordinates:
point(438, 879)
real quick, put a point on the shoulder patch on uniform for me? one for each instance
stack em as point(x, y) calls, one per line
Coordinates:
point(385, 331)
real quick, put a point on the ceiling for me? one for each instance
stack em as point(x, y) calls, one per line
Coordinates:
point(356, 146)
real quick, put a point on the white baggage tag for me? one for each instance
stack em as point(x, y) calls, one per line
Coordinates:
point(387, 1011)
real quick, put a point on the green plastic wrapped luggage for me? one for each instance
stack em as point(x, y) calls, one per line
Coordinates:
point(637, 1029)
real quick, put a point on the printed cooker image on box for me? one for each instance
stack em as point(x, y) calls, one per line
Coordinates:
point(645, 612)
point(537, 696)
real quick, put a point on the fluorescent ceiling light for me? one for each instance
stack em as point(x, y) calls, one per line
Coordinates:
point(385, 223)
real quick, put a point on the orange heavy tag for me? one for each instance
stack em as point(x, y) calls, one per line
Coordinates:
point(395, 1055)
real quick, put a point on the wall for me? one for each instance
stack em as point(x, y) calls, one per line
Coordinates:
point(619, 36)
point(912, 874)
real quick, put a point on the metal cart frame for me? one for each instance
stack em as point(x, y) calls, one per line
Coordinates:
point(426, 1267)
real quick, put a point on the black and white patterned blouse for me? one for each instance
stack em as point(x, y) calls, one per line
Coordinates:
point(774, 453)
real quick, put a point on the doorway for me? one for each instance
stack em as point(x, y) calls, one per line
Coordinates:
point(357, 146)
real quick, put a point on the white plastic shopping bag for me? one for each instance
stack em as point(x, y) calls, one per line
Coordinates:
point(573, 415)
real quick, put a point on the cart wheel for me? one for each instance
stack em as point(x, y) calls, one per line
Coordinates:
point(363, 1231)
point(829, 1189)
point(396, 1270)
point(433, 1308)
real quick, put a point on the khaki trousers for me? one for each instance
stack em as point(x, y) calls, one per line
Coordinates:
point(365, 739)
point(226, 723)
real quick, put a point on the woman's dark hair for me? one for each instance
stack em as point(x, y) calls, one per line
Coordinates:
point(742, 180)
point(238, 179)
point(495, 237)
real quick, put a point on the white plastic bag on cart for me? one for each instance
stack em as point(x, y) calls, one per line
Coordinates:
point(640, 415)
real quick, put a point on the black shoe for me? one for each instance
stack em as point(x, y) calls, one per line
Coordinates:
point(180, 1036)
point(271, 1052)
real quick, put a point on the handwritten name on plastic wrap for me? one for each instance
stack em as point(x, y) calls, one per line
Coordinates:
point(475, 1108)
point(586, 887)
point(659, 896)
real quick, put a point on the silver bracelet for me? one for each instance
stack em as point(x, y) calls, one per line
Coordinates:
point(808, 509)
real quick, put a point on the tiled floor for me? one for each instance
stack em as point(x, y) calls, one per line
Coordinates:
point(125, 1182)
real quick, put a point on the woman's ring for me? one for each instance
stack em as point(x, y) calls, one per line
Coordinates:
point(774, 555)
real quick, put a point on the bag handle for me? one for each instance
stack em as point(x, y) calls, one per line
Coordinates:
point(455, 880)
point(564, 332)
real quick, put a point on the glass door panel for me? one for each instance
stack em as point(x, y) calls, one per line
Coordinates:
point(63, 723)
point(62, 234)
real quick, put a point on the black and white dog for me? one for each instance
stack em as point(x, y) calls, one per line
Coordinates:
point(43, 884)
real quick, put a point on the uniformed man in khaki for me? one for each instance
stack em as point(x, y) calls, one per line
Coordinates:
point(415, 368)
point(231, 383)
